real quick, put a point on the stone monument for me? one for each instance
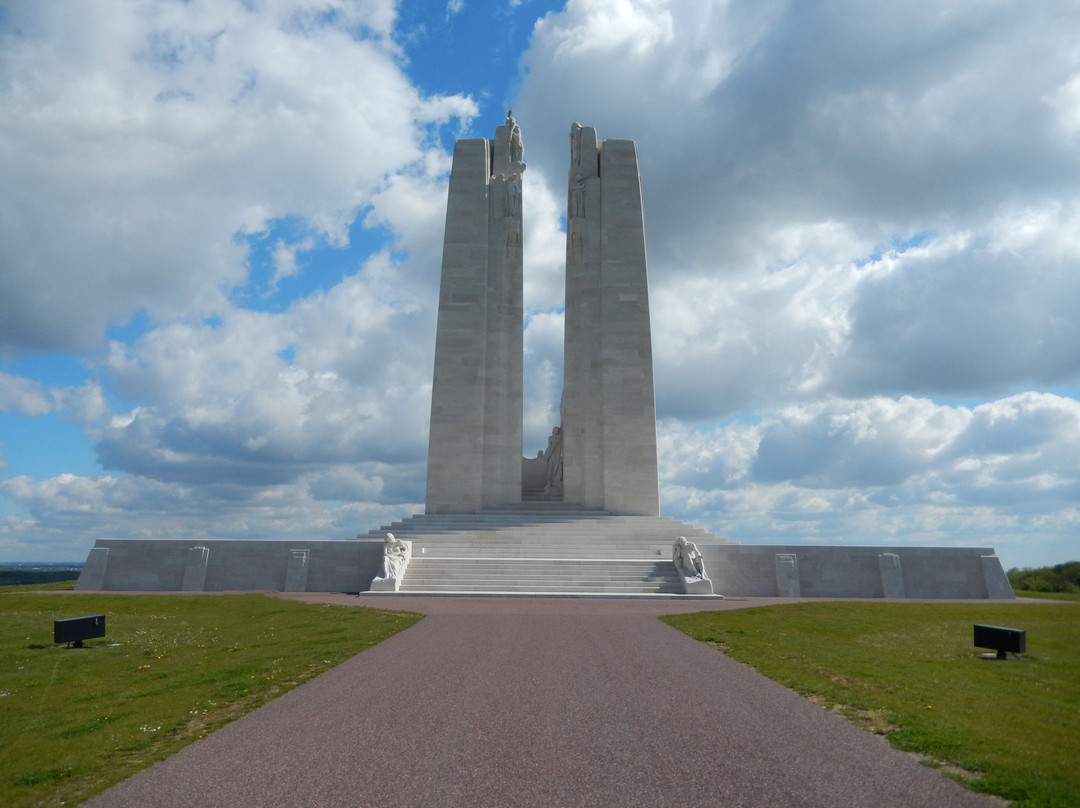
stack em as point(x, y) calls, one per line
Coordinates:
point(603, 454)
point(608, 407)
point(590, 523)
point(474, 448)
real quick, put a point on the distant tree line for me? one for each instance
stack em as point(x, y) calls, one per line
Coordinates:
point(19, 576)
point(1058, 578)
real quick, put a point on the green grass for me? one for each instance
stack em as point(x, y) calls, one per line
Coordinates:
point(51, 586)
point(21, 575)
point(911, 673)
point(1074, 596)
point(170, 670)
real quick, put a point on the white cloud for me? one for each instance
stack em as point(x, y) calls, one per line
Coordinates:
point(66, 513)
point(23, 395)
point(544, 251)
point(342, 377)
point(284, 258)
point(849, 212)
point(984, 313)
point(603, 26)
point(144, 140)
point(141, 139)
point(881, 471)
point(859, 204)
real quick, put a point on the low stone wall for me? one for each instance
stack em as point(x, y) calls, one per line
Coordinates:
point(222, 565)
point(855, 572)
point(735, 569)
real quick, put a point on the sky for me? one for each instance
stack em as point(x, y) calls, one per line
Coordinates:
point(221, 226)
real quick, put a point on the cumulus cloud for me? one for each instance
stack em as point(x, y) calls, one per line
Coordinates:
point(791, 156)
point(855, 219)
point(141, 140)
point(261, 398)
point(147, 148)
point(64, 514)
point(885, 471)
point(979, 311)
point(23, 395)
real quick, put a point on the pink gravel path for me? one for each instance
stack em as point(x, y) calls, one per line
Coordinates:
point(507, 703)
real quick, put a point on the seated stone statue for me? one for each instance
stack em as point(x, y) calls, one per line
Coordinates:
point(396, 555)
point(688, 560)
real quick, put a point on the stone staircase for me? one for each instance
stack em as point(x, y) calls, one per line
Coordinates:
point(542, 548)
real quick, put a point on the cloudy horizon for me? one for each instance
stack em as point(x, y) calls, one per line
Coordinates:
point(221, 232)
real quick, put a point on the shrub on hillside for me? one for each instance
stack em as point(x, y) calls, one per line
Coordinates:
point(1058, 578)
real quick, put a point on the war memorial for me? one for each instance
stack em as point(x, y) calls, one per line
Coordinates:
point(582, 517)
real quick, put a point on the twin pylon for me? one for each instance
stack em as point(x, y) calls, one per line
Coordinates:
point(608, 427)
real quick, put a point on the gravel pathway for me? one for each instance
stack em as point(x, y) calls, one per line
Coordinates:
point(500, 703)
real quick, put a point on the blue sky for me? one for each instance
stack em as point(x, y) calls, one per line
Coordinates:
point(221, 231)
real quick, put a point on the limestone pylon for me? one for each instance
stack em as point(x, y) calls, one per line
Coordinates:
point(474, 449)
point(608, 408)
point(608, 404)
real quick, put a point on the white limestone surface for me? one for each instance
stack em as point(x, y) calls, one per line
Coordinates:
point(854, 572)
point(609, 411)
point(474, 450)
point(231, 565)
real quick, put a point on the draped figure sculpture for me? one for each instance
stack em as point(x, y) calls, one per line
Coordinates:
point(396, 555)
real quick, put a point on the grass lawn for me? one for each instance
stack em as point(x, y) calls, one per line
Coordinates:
point(170, 670)
point(54, 586)
point(909, 671)
point(1074, 596)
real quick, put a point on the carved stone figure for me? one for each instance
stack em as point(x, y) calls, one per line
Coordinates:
point(395, 558)
point(554, 458)
point(517, 148)
point(688, 560)
point(513, 196)
point(575, 144)
point(577, 196)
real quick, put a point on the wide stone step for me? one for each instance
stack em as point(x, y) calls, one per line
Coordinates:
point(539, 585)
point(527, 589)
point(439, 526)
point(540, 496)
point(601, 532)
point(541, 576)
point(565, 566)
point(442, 573)
point(519, 552)
point(544, 548)
point(573, 545)
point(511, 518)
point(548, 520)
point(583, 585)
